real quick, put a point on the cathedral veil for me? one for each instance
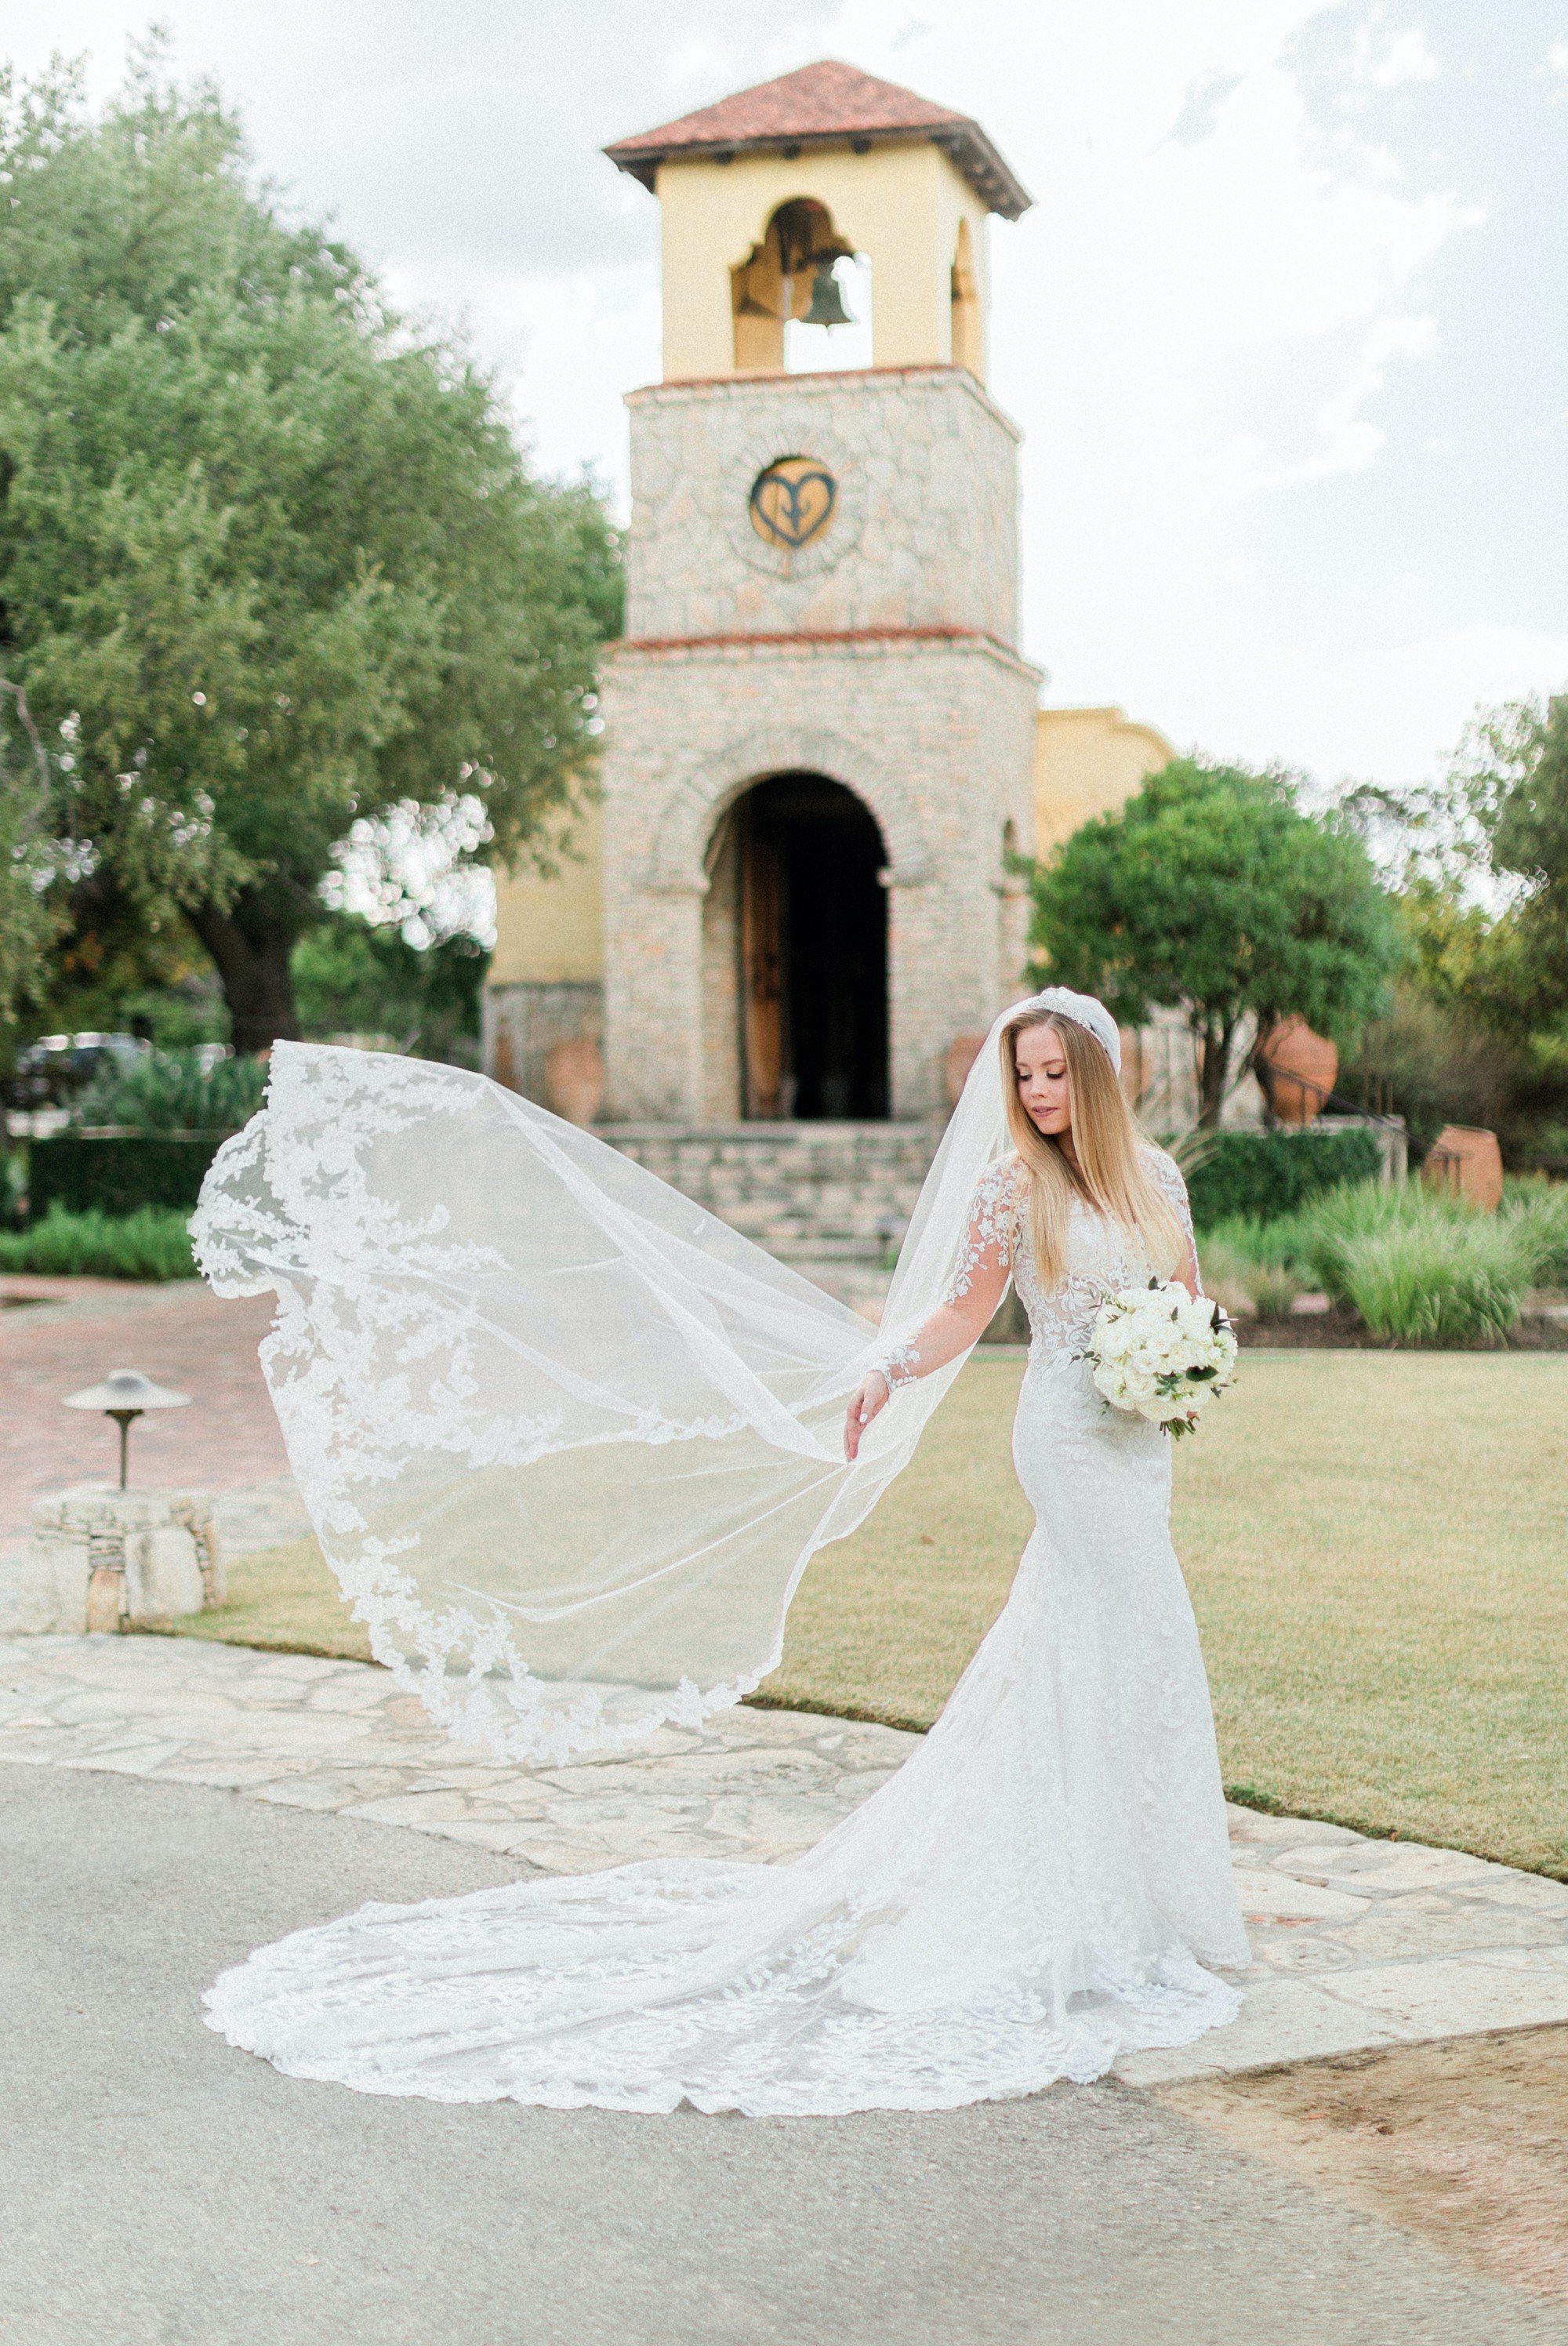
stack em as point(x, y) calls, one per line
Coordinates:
point(568, 1441)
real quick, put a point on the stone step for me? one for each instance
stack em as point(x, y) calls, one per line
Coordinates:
point(829, 1192)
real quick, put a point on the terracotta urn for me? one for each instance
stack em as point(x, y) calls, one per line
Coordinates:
point(1133, 1055)
point(1296, 1069)
point(1466, 1159)
point(502, 1066)
point(574, 1081)
point(961, 1055)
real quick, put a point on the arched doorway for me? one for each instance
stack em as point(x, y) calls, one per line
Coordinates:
point(811, 945)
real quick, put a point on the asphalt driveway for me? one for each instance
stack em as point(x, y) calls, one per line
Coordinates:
point(158, 2187)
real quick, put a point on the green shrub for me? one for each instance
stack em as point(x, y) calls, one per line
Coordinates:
point(151, 1244)
point(1265, 1175)
point(1421, 1265)
point(171, 1091)
point(1438, 1280)
point(78, 1174)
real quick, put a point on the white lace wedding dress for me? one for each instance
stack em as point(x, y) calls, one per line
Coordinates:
point(1041, 1887)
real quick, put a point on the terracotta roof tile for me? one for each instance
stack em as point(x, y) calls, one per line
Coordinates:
point(817, 105)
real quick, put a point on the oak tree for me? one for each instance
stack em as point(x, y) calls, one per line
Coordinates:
point(1212, 891)
point(270, 559)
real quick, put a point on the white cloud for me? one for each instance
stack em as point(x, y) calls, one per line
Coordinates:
point(1389, 709)
point(1386, 60)
point(1342, 438)
point(1200, 108)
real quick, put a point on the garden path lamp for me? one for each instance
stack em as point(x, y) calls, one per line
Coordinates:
point(125, 1393)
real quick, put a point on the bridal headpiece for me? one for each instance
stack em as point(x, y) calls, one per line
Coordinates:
point(1084, 1010)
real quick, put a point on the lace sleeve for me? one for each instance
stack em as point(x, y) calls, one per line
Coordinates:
point(991, 1231)
point(985, 1256)
point(1168, 1180)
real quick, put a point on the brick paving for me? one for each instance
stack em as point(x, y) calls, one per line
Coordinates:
point(58, 1335)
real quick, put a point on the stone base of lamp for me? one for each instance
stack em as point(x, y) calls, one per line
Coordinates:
point(105, 1559)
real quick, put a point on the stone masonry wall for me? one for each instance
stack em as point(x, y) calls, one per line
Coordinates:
point(924, 533)
point(721, 990)
point(524, 1021)
point(934, 736)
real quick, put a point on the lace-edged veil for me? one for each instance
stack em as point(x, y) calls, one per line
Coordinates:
point(567, 1440)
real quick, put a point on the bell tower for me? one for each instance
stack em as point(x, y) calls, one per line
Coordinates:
point(761, 194)
point(817, 755)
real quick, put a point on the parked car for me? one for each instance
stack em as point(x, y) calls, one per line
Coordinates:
point(50, 1072)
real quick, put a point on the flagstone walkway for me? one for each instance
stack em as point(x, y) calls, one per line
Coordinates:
point(1356, 1943)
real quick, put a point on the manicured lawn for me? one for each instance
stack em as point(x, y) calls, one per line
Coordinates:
point(1377, 1546)
point(285, 1598)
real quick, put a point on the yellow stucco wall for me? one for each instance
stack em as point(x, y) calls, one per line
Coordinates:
point(551, 932)
point(1088, 761)
point(899, 205)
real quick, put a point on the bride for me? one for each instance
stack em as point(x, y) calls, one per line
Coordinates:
point(569, 1444)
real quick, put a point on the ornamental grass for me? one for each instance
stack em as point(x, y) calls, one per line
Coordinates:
point(1242, 1268)
point(1437, 1282)
point(1422, 1266)
point(1538, 1210)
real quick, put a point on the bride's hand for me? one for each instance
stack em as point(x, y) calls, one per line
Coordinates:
point(868, 1400)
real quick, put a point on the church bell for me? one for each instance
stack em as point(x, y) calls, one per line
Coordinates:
point(827, 301)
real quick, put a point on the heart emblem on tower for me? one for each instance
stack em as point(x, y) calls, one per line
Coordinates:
point(792, 502)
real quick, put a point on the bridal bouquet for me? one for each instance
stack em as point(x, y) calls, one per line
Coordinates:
point(1162, 1354)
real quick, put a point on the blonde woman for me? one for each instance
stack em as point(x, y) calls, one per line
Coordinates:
point(1082, 1204)
point(1043, 1885)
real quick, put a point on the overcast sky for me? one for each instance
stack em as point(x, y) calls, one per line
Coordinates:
point(1287, 330)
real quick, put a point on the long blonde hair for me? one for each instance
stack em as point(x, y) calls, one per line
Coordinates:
point(1113, 1175)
